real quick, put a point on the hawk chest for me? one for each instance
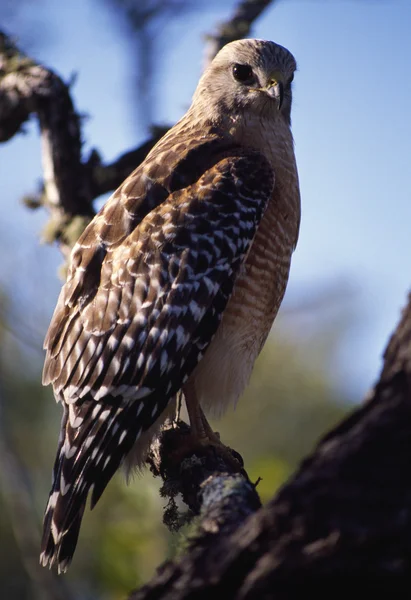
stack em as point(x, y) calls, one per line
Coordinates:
point(225, 369)
point(260, 287)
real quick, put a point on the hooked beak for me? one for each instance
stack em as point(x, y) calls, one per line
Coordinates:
point(276, 90)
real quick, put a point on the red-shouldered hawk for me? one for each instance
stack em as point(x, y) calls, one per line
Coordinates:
point(176, 282)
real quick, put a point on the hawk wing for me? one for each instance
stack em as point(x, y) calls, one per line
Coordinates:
point(139, 297)
point(148, 284)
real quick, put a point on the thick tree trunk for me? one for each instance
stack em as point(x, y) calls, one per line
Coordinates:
point(346, 511)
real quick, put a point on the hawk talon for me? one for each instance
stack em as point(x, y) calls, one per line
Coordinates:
point(228, 455)
point(213, 444)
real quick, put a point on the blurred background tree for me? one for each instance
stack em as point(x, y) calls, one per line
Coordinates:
point(137, 62)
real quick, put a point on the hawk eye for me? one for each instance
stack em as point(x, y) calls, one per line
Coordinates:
point(242, 73)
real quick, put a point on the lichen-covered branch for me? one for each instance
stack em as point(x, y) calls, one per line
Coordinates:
point(211, 485)
point(346, 511)
point(236, 27)
point(70, 183)
point(28, 88)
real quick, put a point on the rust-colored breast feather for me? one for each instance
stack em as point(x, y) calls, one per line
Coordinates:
point(224, 372)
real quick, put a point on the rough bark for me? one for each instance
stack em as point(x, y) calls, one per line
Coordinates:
point(345, 513)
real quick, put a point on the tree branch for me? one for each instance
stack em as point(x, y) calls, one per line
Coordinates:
point(346, 510)
point(26, 88)
point(107, 177)
point(209, 483)
point(70, 185)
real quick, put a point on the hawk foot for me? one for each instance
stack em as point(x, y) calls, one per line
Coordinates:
point(212, 444)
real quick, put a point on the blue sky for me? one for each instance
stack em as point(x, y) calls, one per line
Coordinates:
point(352, 128)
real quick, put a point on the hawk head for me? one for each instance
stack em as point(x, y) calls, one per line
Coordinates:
point(248, 75)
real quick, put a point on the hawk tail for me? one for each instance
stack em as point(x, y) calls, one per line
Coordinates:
point(94, 440)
